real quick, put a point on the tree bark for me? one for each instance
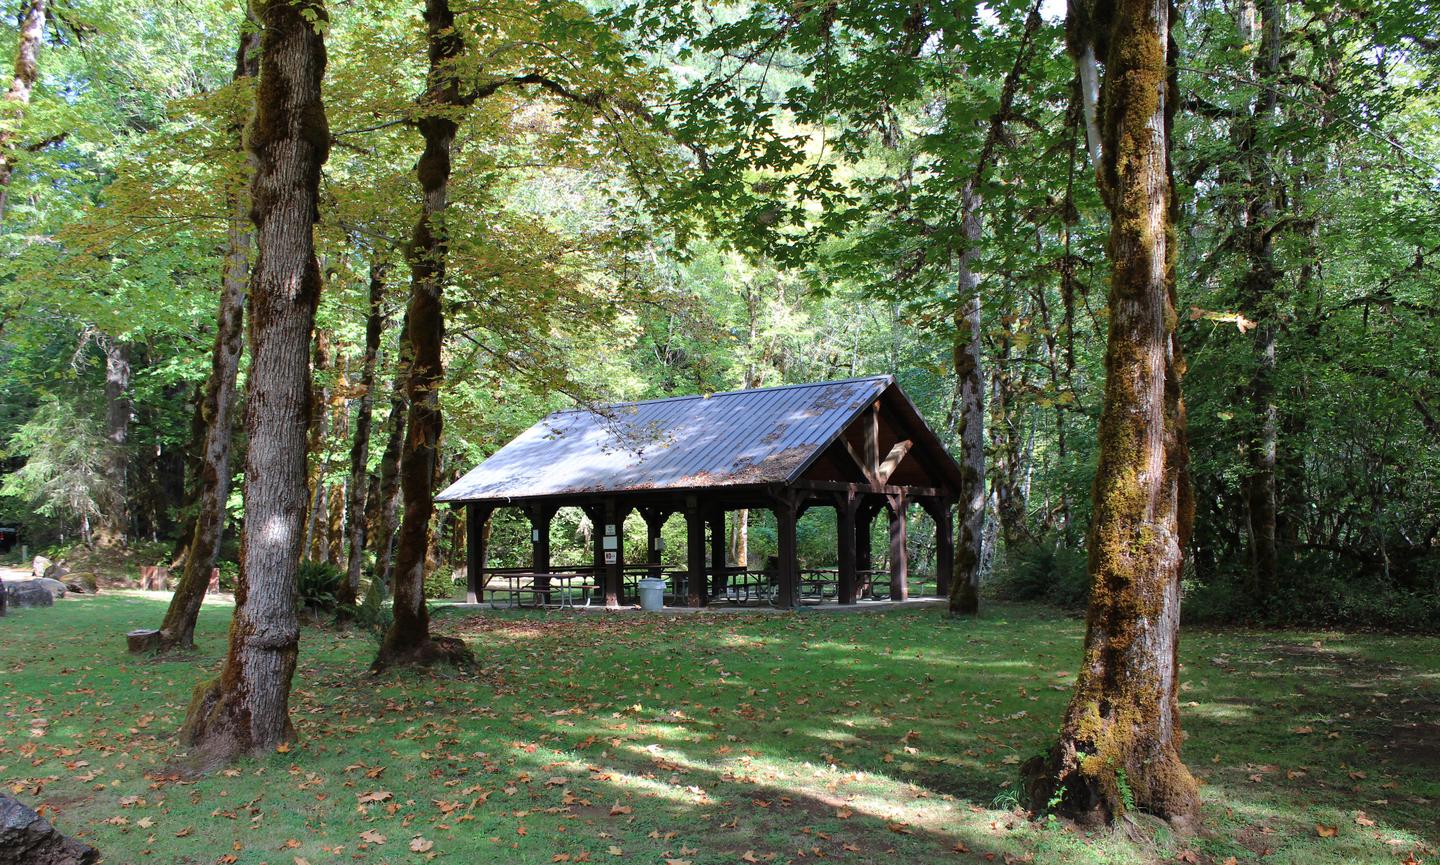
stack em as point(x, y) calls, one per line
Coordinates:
point(1120, 740)
point(970, 417)
point(360, 446)
point(178, 628)
point(408, 640)
point(17, 98)
point(387, 482)
point(114, 524)
point(316, 525)
point(1259, 290)
point(246, 709)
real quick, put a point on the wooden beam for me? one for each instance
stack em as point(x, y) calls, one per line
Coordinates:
point(847, 507)
point(788, 579)
point(694, 555)
point(892, 461)
point(899, 552)
point(940, 512)
point(540, 516)
point(475, 518)
point(716, 584)
point(871, 489)
point(860, 461)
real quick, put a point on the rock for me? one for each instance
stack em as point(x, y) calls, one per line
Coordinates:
point(83, 583)
point(56, 572)
point(40, 566)
point(28, 593)
point(54, 587)
point(26, 838)
point(143, 640)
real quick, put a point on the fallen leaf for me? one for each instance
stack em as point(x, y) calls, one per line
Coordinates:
point(1326, 831)
point(370, 836)
point(373, 796)
point(420, 845)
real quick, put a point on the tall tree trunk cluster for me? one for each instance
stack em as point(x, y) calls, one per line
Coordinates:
point(246, 709)
point(217, 405)
point(1120, 739)
point(409, 640)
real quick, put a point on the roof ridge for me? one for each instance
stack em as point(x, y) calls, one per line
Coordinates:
point(887, 377)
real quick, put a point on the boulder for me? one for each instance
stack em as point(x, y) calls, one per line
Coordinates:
point(56, 571)
point(40, 566)
point(28, 593)
point(26, 838)
point(82, 583)
point(56, 588)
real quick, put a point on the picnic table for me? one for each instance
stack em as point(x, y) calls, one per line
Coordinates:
point(516, 586)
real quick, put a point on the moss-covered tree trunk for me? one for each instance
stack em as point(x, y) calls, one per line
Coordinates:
point(1259, 299)
point(17, 97)
point(386, 483)
point(113, 526)
point(213, 487)
point(408, 640)
point(360, 445)
point(246, 709)
point(969, 417)
point(1120, 740)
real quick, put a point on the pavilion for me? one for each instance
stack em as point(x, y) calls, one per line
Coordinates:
point(858, 446)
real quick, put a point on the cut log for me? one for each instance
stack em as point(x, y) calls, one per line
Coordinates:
point(143, 640)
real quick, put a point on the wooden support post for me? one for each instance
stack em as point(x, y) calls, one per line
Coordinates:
point(694, 554)
point(899, 554)
point(718, 577)
point(540, 515)
point(865, 512)
point(475, 518)
point(612, 552)
point(654, 522)
point(847, 506)
point(939, 510)
point(788, 579)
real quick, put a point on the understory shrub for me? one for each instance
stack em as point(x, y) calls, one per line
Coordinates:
point(317, 585)
point(440, 584)
point(1046, 571)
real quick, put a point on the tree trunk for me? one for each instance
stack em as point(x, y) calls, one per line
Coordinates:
point(387, 482)
point(115, 522)
point(1259, 290)
point(1120, 740)
point(360, 446)
point(17, 98)
point(970, 418)
point(316, 525)
point(246, 709)
point(408, 640)
point(178, 627)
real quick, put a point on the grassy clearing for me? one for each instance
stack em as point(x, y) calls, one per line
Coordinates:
point(709, 739)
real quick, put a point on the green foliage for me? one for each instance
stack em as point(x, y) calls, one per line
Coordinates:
point(317, 584)
point(1044, 570)
point(63, 473)
point(440, 584)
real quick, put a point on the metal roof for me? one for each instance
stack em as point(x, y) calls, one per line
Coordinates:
point(739, 438)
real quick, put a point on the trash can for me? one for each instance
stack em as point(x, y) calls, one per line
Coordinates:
point(652, 593)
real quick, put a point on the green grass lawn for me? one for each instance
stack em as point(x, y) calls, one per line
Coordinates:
point(883, 737)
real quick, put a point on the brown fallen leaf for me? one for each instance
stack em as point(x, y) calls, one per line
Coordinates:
point(617, 809)
point(421, 845)
point(373, 796)
point(1326, 831)
point(370, 836)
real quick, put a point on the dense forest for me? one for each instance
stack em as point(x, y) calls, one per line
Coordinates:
point(651, 200)
point(1162, 276)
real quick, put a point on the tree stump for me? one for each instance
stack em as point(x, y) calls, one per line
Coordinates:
point(143, 640)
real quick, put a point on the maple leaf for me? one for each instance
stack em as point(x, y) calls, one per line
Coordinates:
point(617, 809)
point(373, 796)
point(370, 836)
point(615, 851)
point(420, 845)
point(749, 856)
point(1326, 831)
point(844, 813)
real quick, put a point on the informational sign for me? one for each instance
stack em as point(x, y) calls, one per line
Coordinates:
point(659, 543)
point(610, 529)
point(535, 535)
point(611, 543)
point(611, 557)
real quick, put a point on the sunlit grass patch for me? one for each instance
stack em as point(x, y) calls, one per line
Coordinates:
point(874, 738)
